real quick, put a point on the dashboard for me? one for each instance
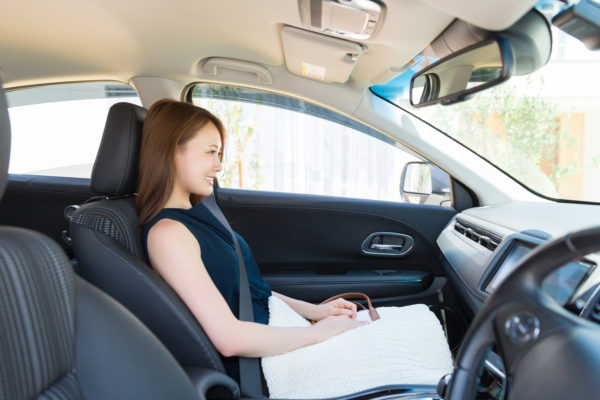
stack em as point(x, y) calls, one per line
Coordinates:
point(482, 246)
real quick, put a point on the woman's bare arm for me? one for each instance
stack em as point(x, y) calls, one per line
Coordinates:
point(175, 254)
point(307, 310)
point(317, 312)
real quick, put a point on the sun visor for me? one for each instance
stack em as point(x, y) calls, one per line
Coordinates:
point(319, 57)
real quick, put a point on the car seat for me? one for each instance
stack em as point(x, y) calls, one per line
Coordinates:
point(106, 243)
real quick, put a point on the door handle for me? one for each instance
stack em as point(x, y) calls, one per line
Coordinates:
point(389, 244)
point(395, 247)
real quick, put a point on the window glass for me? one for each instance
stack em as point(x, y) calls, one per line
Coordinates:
point(276, 143)
point(56, 130)
point(541, 129)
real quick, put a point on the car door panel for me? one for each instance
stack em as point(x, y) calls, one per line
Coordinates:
point(309, 246)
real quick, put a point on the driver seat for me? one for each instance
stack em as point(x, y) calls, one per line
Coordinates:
point(62, 338)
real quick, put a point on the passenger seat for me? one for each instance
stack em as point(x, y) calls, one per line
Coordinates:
point(107, 245)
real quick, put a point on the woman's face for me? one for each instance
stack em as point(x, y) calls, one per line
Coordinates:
point(197, 161)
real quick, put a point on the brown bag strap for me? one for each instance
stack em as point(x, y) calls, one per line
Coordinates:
point(357, 295)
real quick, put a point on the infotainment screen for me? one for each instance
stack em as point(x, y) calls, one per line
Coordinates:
point(515, 253)
point(560, 284)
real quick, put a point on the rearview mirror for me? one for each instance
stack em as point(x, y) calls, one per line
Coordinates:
point(518, 50)
point(455, 77)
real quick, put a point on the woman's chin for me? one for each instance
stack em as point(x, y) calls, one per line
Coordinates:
point(205, 192)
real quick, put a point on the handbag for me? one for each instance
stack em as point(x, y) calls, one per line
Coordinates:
point(355, 295)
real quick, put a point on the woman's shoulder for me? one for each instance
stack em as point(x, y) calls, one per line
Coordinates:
point(167, 230)
point(196, 221)
point(167, 221)
point(171, 214)
point(167, 225)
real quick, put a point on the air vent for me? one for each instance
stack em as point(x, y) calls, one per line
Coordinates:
point(479, 235)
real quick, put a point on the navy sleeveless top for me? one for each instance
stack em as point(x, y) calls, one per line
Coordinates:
point(221, 262)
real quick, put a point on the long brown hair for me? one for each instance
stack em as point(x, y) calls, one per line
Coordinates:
point(168, 124)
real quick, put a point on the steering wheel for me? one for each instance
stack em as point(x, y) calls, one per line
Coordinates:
point(548, 352)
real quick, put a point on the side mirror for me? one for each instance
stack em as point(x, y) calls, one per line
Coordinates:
point(424, 183)
point(415, 184)
point(463, 73)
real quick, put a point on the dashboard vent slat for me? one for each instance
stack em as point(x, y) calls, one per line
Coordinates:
point(479, 235)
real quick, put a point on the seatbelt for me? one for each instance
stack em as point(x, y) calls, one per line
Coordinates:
point(250, 380)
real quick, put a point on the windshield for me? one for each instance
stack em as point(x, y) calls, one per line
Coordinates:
point(542, 129)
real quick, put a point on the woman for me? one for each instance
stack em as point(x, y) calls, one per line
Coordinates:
point(180, 156)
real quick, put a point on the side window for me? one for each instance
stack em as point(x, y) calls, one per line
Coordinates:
point(56, 129)
point(281, 144)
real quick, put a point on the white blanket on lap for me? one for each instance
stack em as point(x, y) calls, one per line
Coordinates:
point(406, 346)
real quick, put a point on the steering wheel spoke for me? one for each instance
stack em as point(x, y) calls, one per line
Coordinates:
point(519, 327)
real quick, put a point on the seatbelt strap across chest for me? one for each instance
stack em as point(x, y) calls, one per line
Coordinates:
point(250, 380)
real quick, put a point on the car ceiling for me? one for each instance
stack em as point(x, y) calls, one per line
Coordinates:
point(75, 40)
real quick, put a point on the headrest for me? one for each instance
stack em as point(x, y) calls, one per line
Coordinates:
point(4, 142)
point(115, 169)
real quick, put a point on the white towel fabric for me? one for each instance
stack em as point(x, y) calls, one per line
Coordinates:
point(406, 346)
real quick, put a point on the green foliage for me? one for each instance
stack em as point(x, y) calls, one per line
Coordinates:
point(240, 169)
point(513, 127)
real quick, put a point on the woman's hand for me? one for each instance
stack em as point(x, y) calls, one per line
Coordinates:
point(333, 308)
point(316, 312)
point(334, 325)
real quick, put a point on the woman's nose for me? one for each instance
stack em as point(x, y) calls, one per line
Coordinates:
point(217, 165)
